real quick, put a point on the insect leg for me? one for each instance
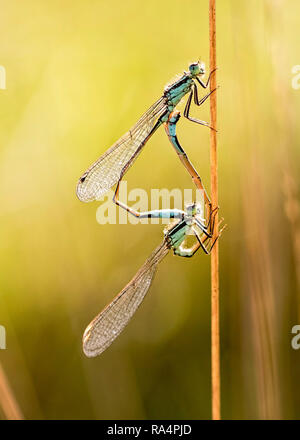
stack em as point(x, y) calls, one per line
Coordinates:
point(186, 112)
point(208, 242)
point(204, 85)
point(202, 100)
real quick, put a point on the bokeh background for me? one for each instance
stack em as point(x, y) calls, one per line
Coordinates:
point(79, 74)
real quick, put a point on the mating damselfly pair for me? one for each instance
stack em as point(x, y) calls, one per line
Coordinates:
point(109, 170)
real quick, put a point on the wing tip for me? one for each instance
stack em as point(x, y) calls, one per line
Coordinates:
point(87, 344)
point(84, 195)
point(81, 193)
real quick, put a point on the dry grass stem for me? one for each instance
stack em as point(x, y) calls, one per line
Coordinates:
point(215, 333)
point(8, 401)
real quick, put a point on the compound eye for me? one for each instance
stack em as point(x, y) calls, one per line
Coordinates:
point(194, 68)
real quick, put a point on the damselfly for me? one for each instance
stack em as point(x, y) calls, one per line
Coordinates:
point(102, 331)
point(112, 165)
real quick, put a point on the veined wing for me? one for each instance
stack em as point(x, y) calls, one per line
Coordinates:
point(104, 329)
point(105, 172)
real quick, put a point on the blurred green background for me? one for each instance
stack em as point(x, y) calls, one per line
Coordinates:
point(79, 75)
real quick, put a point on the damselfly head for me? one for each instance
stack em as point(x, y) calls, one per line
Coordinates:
point(193, 209)
point(197, 68)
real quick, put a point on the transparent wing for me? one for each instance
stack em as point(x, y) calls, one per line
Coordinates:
point(102, 331)
point(105, 172)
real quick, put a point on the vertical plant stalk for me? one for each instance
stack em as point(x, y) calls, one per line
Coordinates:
point(215, 327)
point(8, 403)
